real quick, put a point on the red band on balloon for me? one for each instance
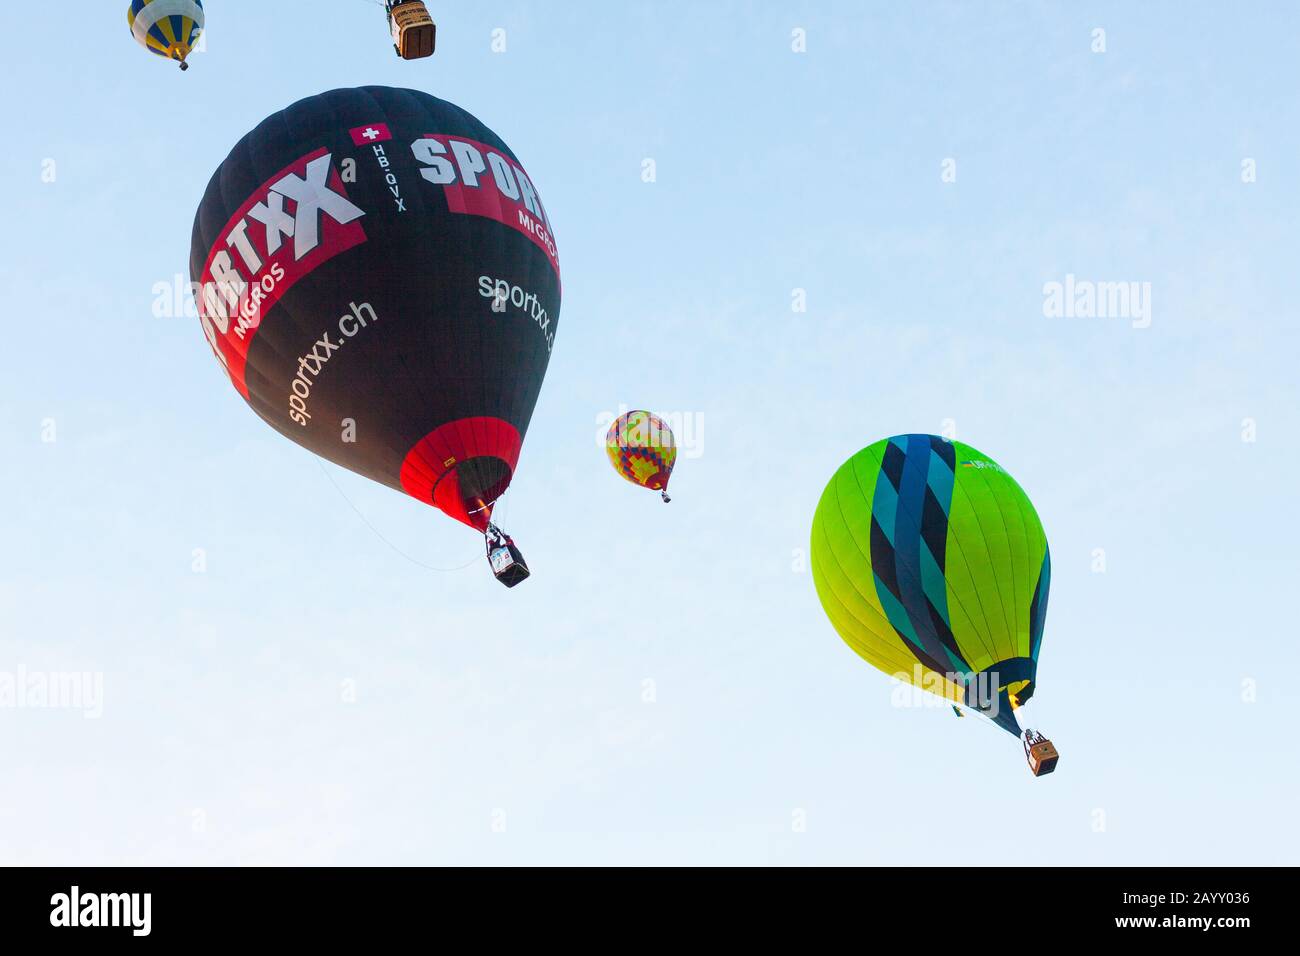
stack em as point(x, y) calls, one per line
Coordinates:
point(501, 191)
point(429, 469)
point(232, 310)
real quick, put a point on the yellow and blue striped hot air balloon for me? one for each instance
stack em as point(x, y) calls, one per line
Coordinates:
point(167, 28)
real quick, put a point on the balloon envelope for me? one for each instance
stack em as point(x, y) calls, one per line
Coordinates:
point(641, 448)
point(167, 28)
point(932, 565)
point(377, 276)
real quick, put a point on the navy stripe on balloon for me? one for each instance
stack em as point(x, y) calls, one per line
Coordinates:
point(1038, 609)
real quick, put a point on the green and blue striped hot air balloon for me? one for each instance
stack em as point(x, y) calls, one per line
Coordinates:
point(932, 565)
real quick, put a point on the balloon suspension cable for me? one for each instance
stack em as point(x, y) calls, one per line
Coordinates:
point(1026, 716)
point(375, 531)
point(495, 535)
point(980, 717)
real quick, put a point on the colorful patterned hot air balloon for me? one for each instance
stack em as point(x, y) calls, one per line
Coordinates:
point(932, 565)
point(167, 28)
point(641, 449)
point(378, 278)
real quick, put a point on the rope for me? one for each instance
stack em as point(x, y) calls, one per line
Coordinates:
point(377, 534)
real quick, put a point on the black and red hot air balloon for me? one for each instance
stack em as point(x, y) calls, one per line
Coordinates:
point(377, 275)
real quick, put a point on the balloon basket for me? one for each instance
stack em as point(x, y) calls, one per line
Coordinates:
point(414, 32)
point(505, 558)
point(1040, 752)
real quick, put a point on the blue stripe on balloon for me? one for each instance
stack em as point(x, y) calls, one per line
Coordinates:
point(940, 479)
point(897, 615)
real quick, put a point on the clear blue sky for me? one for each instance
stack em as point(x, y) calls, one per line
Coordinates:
point(224, 735)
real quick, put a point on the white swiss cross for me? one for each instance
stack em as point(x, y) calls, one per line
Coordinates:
point(370, 133)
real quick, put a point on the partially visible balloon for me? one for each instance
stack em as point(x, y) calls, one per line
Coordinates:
point(641, 448)
point(379, 280)
point(168, 28)
point(932, 565)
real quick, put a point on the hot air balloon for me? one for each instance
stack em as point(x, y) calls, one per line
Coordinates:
point(378, 277)
point(932, 565)
point(641, 448)
point(167, 28)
